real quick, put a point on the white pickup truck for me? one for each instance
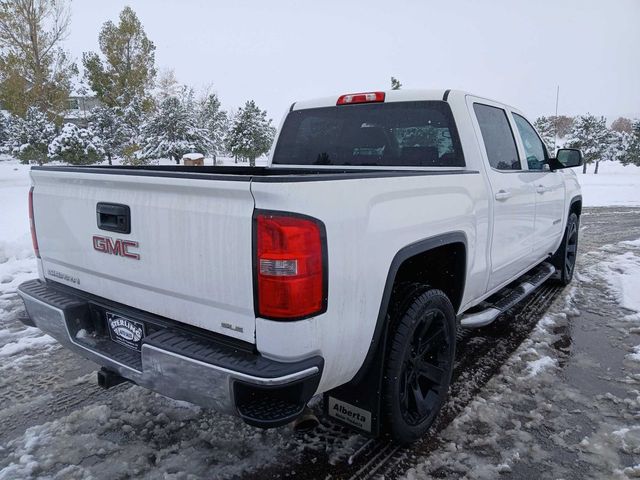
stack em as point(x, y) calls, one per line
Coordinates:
point(383, 222)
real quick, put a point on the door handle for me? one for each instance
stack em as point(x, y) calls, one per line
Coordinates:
point(541, 189)
point(502, 195)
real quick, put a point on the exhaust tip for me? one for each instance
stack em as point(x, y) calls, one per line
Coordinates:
point(305, 422)
point(108, 379)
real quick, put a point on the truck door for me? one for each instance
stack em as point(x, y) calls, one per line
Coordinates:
point(549, 187)
point(513, 194)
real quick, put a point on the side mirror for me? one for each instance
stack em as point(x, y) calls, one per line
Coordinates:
point(566, 158)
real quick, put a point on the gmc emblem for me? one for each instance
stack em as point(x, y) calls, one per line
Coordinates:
point(115, 247)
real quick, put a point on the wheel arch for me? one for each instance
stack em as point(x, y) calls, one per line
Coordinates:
point(575, 206)
point(400, 264)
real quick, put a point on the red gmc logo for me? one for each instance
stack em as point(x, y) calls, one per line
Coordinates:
point(115, 247)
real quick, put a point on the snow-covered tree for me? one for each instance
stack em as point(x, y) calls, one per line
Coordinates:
point(632, 153)
point(107, 124)
point(173, 130)
point(215, 123)
point(31, 136)
point(167, 85)
point(75, 145)
point(616, 148)
point(251, 133)
point(547, 130)
point(6, 124)
point(591, 135)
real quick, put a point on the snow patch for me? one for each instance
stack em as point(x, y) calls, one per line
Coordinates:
point(537, 366)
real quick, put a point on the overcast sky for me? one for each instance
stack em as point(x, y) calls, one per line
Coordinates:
point(277, 52)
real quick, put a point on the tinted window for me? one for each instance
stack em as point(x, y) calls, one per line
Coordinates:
point(533, 147)
point(382, 134)
point(498, 137)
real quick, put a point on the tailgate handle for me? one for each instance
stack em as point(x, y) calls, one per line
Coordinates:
point(113, 217)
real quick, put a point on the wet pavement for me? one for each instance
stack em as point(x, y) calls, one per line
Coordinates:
point(550, 390)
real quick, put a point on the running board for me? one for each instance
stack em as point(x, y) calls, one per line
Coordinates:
point(507, 297)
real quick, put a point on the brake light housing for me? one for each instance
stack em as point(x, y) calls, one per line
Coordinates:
point(366, 97)
point(290, 265)
point(32, 224)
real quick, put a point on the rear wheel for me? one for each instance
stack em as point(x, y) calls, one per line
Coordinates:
point(420, 363)
point(565, 257)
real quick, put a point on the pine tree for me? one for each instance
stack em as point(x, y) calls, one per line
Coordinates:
point(173, 130)
point(395, 84)
point(215, 123)
point(75, 145)
point(591, 135)
point(251, 133)
point(36, 71)
point(547, 130)
point(6, 120)
point(632, 154)
point(107, 124)
point(128, 69)
point(31, 136)
point(617, 146)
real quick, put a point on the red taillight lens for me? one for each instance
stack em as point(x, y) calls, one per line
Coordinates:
point(34, 238)
point(290, 266)
point(369, 97)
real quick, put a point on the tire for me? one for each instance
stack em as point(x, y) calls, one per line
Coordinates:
point(565, 257)
point(419, 365)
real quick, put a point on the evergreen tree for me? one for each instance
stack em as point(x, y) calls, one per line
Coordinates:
point(107, 124)
point(251, 133)
point(547, 130)
point(215, 123)
point(75, 145)
point(395, 84)
point(31, 136)
point(6, 120)
point(173, 131)
point(35, 70)
point(591, 135)
point(128, 69)
point(632, 154)
point(616, 147)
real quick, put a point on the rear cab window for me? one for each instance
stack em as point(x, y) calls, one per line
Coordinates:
point(498, 138)
point(394, 134)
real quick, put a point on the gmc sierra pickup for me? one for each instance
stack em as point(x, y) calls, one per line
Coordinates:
point(383, 223)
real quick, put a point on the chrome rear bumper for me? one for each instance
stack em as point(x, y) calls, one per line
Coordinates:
point(178, 364)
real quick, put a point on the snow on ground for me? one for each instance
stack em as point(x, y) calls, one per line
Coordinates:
point(614, 185)
point(567, 401)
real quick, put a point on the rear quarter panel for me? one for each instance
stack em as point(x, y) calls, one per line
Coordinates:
point(367, 222)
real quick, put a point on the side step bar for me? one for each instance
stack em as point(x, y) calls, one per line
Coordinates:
point(507, 297)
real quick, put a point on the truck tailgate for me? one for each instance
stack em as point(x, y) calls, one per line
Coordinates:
point(194, 244)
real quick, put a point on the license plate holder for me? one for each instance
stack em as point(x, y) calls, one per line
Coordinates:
point(125, 331)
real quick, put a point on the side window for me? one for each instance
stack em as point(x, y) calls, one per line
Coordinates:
point(498, 137)
point(533, 146)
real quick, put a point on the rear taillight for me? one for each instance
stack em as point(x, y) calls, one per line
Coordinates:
point(291, 266)
point(32, 223)
point(368, 97)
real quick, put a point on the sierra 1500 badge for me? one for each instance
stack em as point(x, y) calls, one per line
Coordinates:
point(124, 331)
point(116, 246)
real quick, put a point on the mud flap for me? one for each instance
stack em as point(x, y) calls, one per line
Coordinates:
point(358, 404)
